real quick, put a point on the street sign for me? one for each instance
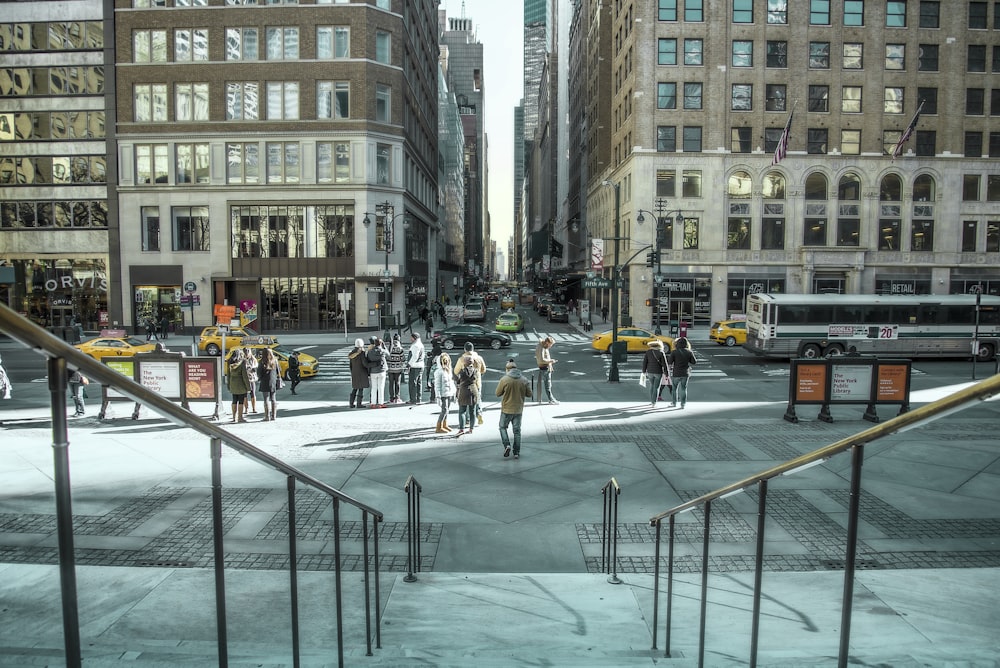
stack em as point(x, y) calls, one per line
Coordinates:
point(190, 300)
point(374, 289)
point(600, 283)
point(385, 280)
point(190, 286)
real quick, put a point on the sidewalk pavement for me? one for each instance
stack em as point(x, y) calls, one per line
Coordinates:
point(510, 549)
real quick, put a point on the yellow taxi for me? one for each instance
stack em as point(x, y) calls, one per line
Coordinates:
point(210, 341)
point(636, 338)
point(506, 302)
point(729, 332)
point(108, 346)
point(308, 365)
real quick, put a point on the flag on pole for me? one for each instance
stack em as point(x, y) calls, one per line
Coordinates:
point(897, 150)
point(782, 148)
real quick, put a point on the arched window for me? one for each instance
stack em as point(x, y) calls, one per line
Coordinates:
point(923, 188)
point(773, 186)
point(740, 185)
point(890, 213)
point(849, 188)
point(816, 186)
point(891, 190)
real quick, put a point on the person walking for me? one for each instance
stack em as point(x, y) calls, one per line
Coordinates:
point(604, 312)
point(545, 362)
point(238, 382)
point(415, 363)
point(682, 359)
point(5, 385)
point(150, 327)
point(444, 386)
point(268, 373)
point(428, 325)
point(655, 368)
point(468, 380)
point(77, 383)
point(164, 326)
point(294, 374)
point(359, 373)
point(471, 358)
point(252, 363)
point(378, 367)
point(396, 360)
point(512, 389)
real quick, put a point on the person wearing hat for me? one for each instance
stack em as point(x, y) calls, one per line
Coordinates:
point(378, 367)
point(681, 360)
point(415, 362)
point(471, 358)
point(359, 373)
point(655, 369)
point(512, 389)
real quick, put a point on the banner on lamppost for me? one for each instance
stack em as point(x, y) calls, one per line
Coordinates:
point(546, 263)
point(597, 255)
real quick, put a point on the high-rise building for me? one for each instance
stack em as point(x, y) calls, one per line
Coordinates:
point(797, 147)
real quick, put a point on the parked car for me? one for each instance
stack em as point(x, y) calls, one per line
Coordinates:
point(558, 313)
point(308, 365)
point(210, 341)
point(542, 305)
point(729, 332)
point(106, 346)
point(474, 311)
point(509, 322)
point(458, 335)
point(636, 339)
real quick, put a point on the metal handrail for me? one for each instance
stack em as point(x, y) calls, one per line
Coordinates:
point(961, 400)
point(61, 356)
point(609, 531)
point(413, 490)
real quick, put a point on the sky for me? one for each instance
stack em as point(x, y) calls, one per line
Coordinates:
point(498, 25)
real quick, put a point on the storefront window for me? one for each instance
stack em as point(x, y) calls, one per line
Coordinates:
point(51, 293)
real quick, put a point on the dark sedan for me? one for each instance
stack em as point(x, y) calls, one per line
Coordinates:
point(558, 313)
point(459, 335)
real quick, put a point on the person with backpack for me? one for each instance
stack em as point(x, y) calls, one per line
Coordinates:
point(681, 359)
point(468, 380)
point(656, 369)
point(512, 389)
point(471, 358)
point(294, 375)
point(359, 373)
point(77, 383)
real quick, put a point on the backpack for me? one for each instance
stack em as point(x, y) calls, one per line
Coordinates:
point(467, 376)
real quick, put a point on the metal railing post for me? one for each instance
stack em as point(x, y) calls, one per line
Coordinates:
point(656, 579)
point(339, 594)
point(219, 553)
point(758, 571)
point(854, 509)
point(704, 584)
point(293, 574)
point(609, 533)
point(412, 489)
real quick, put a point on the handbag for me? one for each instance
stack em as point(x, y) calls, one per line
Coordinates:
point(665, 381)
point(642, 379)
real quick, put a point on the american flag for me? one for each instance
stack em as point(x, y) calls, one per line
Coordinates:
point(897, 150)
point(782, 149)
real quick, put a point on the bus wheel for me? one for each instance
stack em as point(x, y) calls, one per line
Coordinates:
point(811, 351)
point(986, 352)
point(834, 350)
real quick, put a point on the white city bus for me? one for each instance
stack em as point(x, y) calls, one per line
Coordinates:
point(785, 326)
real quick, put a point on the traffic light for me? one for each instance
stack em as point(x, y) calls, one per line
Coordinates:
point(651, 259)
point(649, 302)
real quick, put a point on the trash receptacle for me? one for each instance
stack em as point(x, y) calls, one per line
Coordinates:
point(619, 352)
point(682, 330)
point(626, 320)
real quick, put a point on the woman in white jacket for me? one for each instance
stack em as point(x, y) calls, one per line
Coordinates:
point(444, 387)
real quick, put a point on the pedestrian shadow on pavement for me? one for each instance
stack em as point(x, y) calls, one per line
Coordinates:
point(373, 439)
point(610, 413)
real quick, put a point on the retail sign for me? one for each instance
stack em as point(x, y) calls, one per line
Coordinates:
point(849, 379)
point(224, 311)
point(884, 332)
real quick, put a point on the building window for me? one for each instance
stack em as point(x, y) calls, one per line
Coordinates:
point(383, 103)
point(666, 52)
point(150, 229)
point(977, 58)
point(738, 233)
point(333, 42)
point(777, 54)
point(667, 10)
point(242, 101)
point(975, 101)
point(777, 12)
point(848, 232)
point(970, 187)
point(242, 44)
point(333, 99)
point(742, 97)
point(888, 238)
point(819, 55)
point(819, 12)
point(333, 162)
point(693, 51)
point(929, 99)
point(666, 138)
point(742, 11)
point(742, 53)
point(282, 162)
point(666, 95)
point(666, 183)
point(150, 103)
point(690, 233)
point(930, 14)
point(992, 236)
point(772, 234)
point(922, 236)
point(819, 98)
point(190, 45)
point(895, 56)
point(243, 163)
point(776, 97)
point(771, 138)
point(694, 11)
point(996, 53)
point(892, 100)
point(853, 52)
point(383, 47)
point(191, 102)
point(850, 101)
point(895, 14)
point(383, 154)
point(151, 163)
point(692, 95)
point(282, 43)
point(742, 140)
point(854, 12)
point(970, 235)
point(817, 140)
point(149, 46)
point(814, 232)
point(977, 16)
point(192, 163)
point(994, 147)
point(927, 58)
point(691, 180)
point(692, 139)
point(283, 100)
point(926, 143)
point(850, 142)
point(191, 228)
point(973, 145)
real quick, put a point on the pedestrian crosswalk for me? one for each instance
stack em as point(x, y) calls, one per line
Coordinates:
point(559, 337)
point(631, 370)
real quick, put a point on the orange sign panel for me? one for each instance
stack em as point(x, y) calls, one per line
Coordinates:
point(224, 311)
point(810, 383)
point(891, 382)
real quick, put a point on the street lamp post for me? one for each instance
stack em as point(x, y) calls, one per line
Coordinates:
point(388, 237)
point(615, 287)
point(661, 218)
